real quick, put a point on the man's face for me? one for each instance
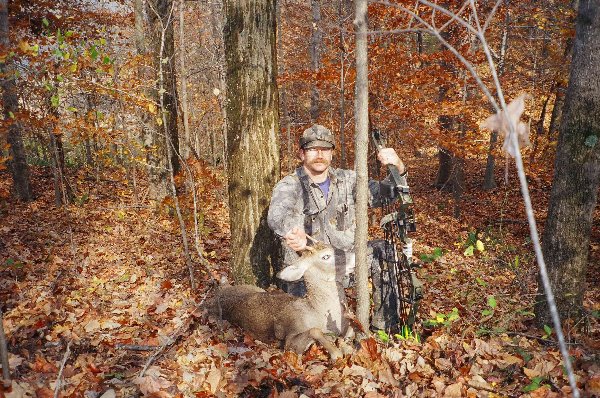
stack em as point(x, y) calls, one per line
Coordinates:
point(316, 159)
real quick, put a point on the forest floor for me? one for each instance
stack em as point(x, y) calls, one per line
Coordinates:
point(97, 292)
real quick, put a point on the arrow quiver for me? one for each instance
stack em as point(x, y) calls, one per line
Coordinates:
point(397, 223)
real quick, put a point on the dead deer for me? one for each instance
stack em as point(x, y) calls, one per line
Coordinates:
point(292, 321)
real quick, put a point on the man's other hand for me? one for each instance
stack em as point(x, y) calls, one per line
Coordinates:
point(389, 156)
point(296, 239)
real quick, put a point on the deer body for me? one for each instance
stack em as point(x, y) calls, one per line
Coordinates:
point(293, 321)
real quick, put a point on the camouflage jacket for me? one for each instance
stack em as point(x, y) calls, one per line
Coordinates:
point(299, 202)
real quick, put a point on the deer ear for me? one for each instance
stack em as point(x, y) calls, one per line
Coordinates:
point(293, 272)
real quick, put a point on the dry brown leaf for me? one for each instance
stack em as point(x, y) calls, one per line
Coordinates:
point(92, 326)
point(41, 365)
point(44, 392)
point(439, 384)
point(542, 392)
point(213, 379)
point(478, 381)
point(453, 390)
point(151, 384)
point(443, 364)
point(592, 386)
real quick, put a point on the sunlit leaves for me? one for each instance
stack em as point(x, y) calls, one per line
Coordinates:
point(55, 100)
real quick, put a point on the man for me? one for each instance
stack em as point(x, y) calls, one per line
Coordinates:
point(319, 200)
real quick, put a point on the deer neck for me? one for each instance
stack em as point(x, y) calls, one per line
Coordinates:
point(328, 299)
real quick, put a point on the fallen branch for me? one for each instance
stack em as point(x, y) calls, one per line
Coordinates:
point(170, 341)
point(134, 347)
point(62, 368)
point(491, 390)
point(174, 336)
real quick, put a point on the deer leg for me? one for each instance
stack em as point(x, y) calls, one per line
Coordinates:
point(300, 342)
point(317, 335)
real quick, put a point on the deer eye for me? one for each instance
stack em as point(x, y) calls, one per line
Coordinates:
point(326, 257)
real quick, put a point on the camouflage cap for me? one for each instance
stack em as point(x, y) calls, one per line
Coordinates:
point(317, 136)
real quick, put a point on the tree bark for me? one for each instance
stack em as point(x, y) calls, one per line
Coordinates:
point(286, 120)
point(4, 349)
point(343, 55)
point(18, 161)
point(155, 41)
point(315, 58)
point(566, 237)
point(187, 144)
point(252, 134)
point(217, 18)
point(361, 111)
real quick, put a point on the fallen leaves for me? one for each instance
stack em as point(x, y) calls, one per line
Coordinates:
point(128, 290)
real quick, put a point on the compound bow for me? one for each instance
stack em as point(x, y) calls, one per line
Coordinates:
point(398, 221)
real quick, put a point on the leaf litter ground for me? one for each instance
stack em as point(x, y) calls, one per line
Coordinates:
point(108, 279)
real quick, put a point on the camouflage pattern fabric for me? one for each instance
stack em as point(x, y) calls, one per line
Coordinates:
point(298, 202)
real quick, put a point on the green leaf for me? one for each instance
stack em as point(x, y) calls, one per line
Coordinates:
point(102, 41)
point(54, 100)
point(481, 282)
point(72, 109)
point(437, 253)
point(69, 33)
point(591, 141)
point(383, 336)
point(547, 330)
point(106, 60)
point(45, 22)
point(535, 384)
point(94, 52)
point(487, 312)
point(452, 316)
point(524, 354)
point(491, 300)
point(60, 78)
point(469, 251)
point(11, 115)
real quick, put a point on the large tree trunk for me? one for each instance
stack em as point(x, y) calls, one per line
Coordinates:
point(18, 163)
point(253, 134)
point(155, 40)
point(361, 112)
point(567, 230)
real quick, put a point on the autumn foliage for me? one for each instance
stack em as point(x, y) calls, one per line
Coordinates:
point(95, 291)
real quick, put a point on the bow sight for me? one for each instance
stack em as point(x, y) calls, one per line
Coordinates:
point(398, 221)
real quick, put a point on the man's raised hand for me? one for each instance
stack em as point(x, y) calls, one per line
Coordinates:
point(296, 239)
